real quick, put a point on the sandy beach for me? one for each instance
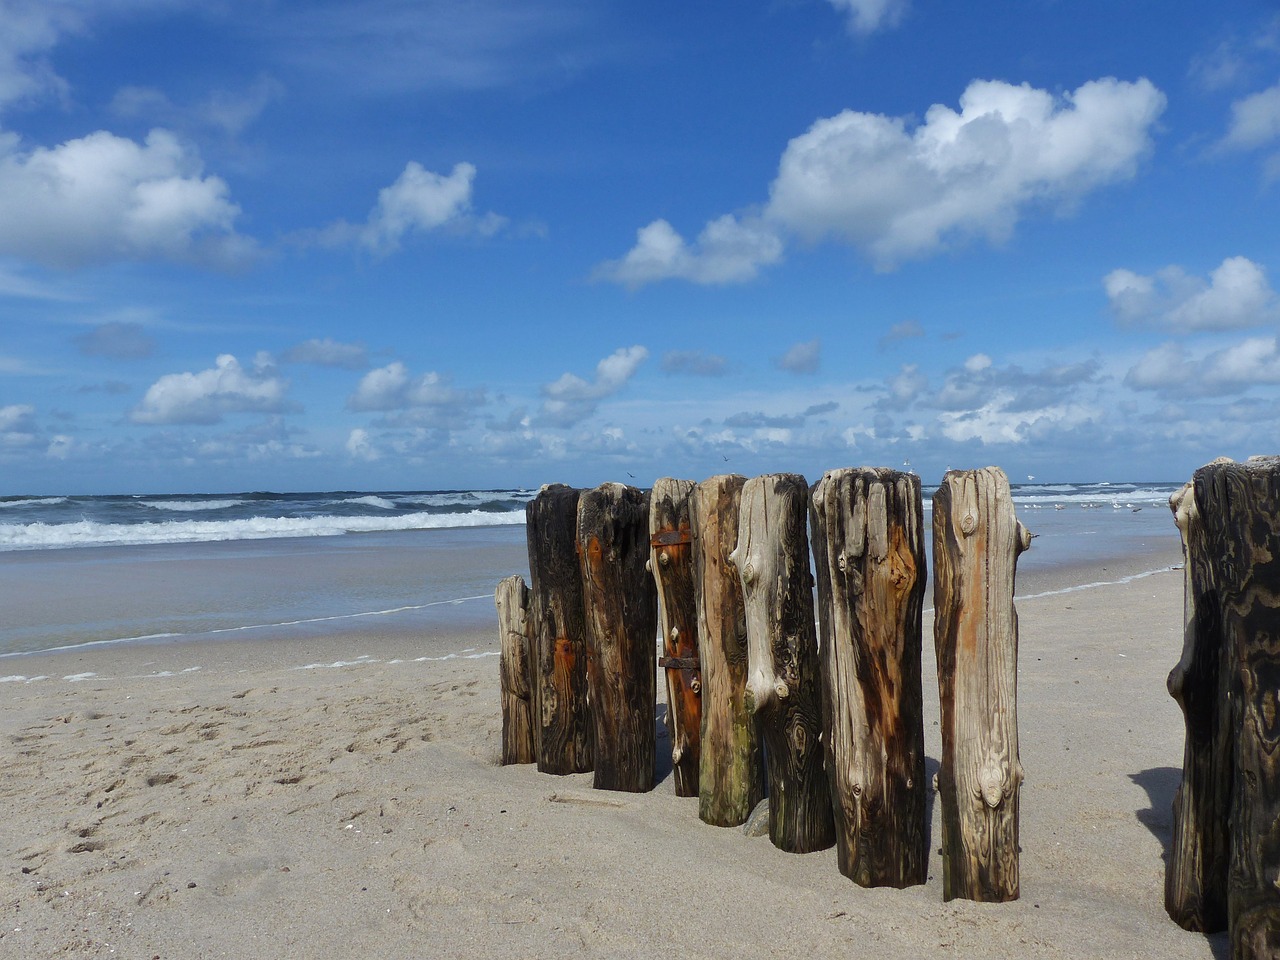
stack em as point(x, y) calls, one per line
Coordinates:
point(341, 796)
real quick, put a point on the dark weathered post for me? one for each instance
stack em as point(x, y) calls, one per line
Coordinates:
point(868, 547)
point(515, 670)
point(1239, 506)
point(976, 542)
point(1195, 887)
point(671, 558)
point(622, 621)
point(563, 730)
point(783, 687)
point(730, 782)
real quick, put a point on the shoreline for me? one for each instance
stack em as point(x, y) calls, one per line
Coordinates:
point(330, 795)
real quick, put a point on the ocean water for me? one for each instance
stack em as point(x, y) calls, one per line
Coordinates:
point(164, 569)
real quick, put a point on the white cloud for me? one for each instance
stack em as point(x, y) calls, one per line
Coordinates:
point(205, 396)
point(418, 201)
point(28, 30)
point(1255, 121)
point(427, 400)
point(899, 191)
point(996, 422)
point(868, 16)
point(1237, 294)
point(101, 198)
point(728, 250)
point(803, 357)
point(360, 446)
point(328, 352)
point(571, 399)
point(1169, 368)
point(17, 426)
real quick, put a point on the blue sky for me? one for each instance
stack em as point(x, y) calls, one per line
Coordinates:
point(405, 244)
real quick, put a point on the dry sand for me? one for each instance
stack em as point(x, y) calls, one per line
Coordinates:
point(274, 803)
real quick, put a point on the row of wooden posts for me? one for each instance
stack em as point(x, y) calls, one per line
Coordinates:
point(720, 572)
point(1223, 870)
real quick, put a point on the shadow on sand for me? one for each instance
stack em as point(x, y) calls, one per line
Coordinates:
point(1161, 783)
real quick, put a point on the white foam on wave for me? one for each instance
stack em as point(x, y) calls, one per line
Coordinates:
point(382, 503)
point(34, 502)
point(192, 506)
point(85, 533)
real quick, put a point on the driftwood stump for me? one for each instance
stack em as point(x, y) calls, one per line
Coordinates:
point(563, 731)
point(976, 542)
point(868, 547)
point(622, 621)
point(730, 782)
point(515, 671)
point(1239, 506)
point(783, 686)
point(671, 559)
point(1195, 888)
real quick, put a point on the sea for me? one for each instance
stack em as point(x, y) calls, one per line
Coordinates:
point(78, 570)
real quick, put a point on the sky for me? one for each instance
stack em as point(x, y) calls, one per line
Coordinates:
point(430, 244)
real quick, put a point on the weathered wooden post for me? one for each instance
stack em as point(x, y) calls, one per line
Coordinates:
point(1195, 887)
point(622, 621)
point(1239, 506)
point(515, 671)
point(783, 687)
point(671, 559)
point(976, 542)
point(563, 731)
point(730, 781)
point(868, 547)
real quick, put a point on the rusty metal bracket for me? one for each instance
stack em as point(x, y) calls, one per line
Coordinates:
point(680, 663)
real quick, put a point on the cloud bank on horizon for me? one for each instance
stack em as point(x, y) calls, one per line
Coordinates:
point(386, 244)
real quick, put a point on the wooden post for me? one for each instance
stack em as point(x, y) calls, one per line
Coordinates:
point(671, 559)
point(976, 542)
point(868, 547)
point(563, 732)
point(1195, 887)
point(622, 621)
point(1239, 506)
point(515, 671)
point(783, 687)
point(730, 781)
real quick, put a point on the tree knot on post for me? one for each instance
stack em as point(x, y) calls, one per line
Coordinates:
point(968, 524)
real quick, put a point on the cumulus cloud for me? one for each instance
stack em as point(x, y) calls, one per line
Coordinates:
point(1255, 121)
point(1237, 294)
point(419, 201)
point(204, 397)
point(328, 353)
point(899, 190)
point(116, 341)
point(360, 446)
point(571, 399)
point(868, 16)
point(429, 399)
point(101, 198)
point(802, 358)
point(1170, 368)
point(728, 250)
point(695, 363)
